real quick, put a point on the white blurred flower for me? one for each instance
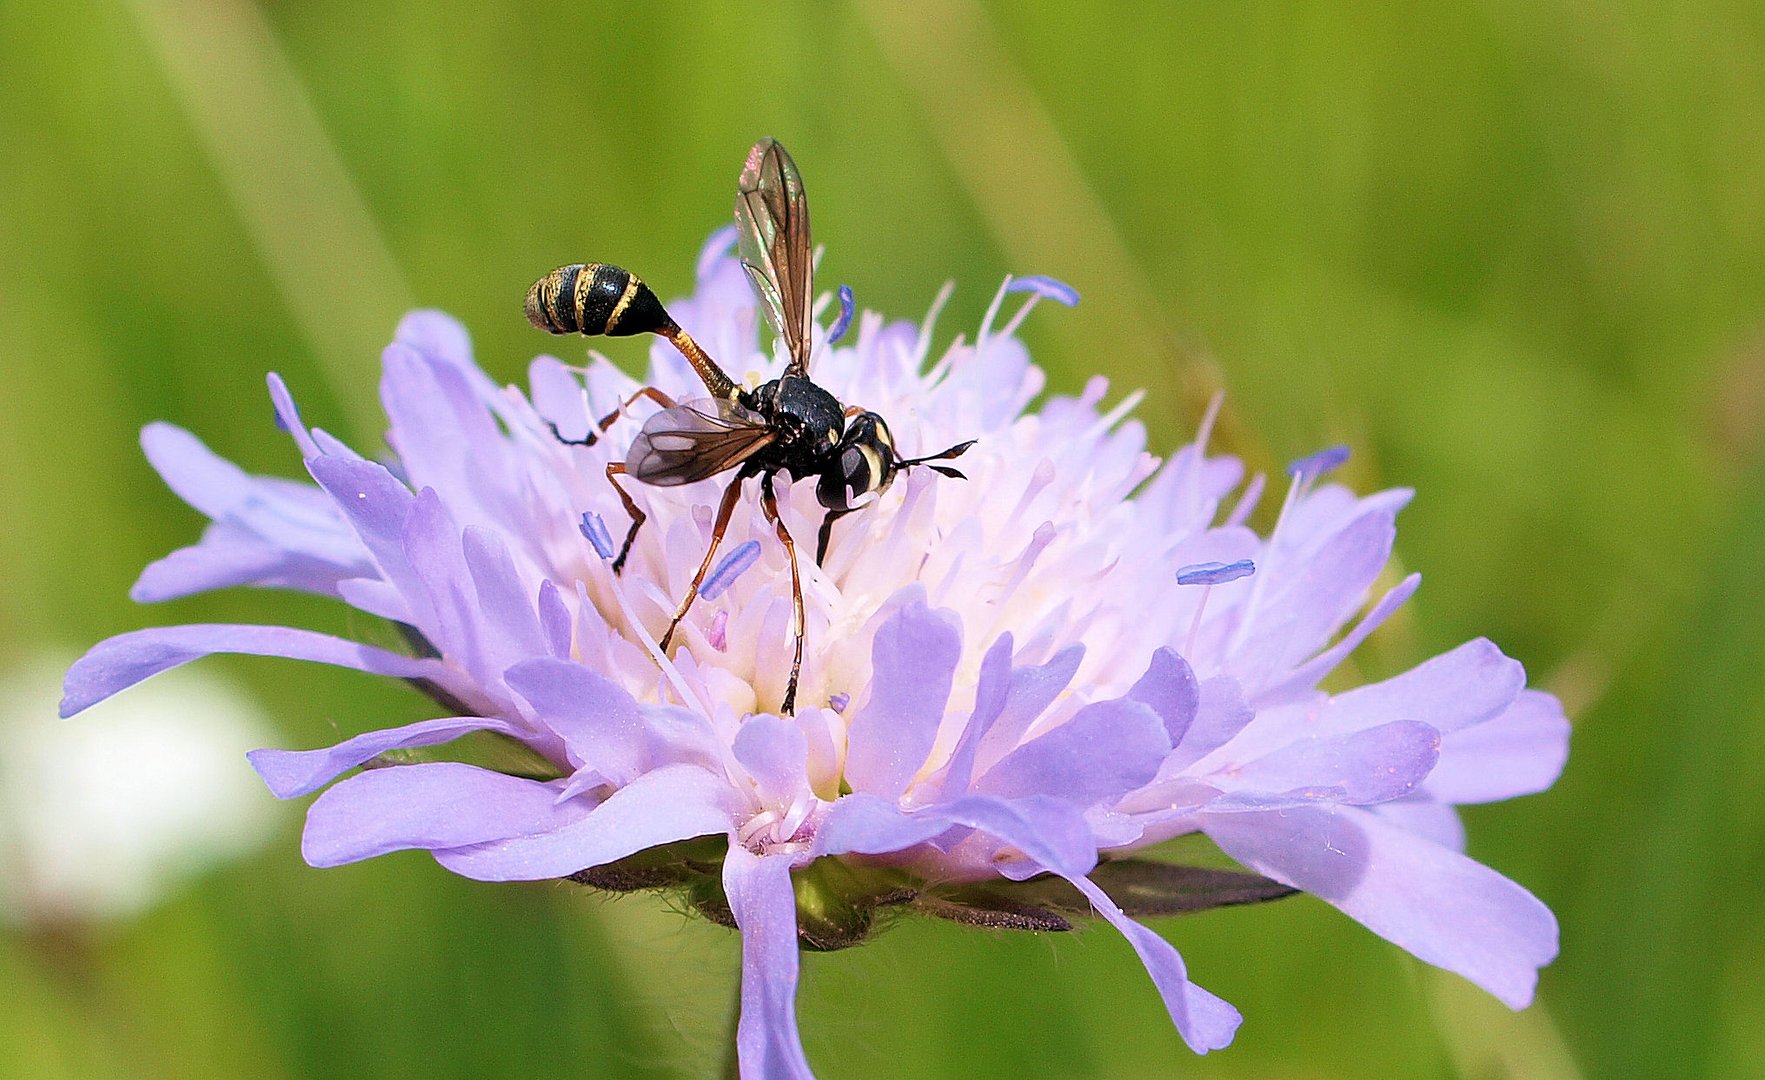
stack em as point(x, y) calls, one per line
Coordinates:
point(101, 818)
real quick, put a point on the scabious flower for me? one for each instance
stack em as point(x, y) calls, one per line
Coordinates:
point(1010, 685)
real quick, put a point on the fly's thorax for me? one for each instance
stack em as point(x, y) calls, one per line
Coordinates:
point(863, 465)
point(810, 421)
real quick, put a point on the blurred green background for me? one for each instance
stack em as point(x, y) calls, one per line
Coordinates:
point(1510, 252)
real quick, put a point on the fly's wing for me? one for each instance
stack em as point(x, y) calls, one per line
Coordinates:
point(693, 441)
point(772, 220)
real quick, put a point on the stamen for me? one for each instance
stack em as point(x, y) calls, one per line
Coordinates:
point(986, 330)
point(718, 634)
point(594, 530)
point(924, 346)
point(1215, 573)
point(733, 566)
point(1045, 287)
point(844, 322)
point(1312, 466)
point(1207, 575)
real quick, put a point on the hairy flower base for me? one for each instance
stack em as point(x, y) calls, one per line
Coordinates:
point(1011, 685)
point(839, 901)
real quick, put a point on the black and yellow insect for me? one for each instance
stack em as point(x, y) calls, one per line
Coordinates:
point(788, 425)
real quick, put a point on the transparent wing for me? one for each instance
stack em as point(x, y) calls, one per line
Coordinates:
point(692, 441)
point(772, 220)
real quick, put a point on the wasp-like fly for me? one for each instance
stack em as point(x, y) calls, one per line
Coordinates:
point(788, 425)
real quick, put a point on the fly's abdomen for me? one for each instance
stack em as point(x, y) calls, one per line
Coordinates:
point(593, 299)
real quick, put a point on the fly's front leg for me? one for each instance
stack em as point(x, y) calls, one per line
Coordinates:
point(724, 510)
point(594, 436)
point(769, 504)
point(826, 534)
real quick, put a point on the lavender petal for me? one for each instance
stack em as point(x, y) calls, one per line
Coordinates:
point(1442, 907)
point(775, 752)
point(433, 805)
point(1520, 752)
point(1205, 1022)
point(600, 723)
point(765, 908)
point(1169, 687)
point(1454, 690)
point(913, 662)
point(122, 661)
point(676, 802)
point(1050, 832)
point(1104, 751)
point(291, 773)
point(1370, 766)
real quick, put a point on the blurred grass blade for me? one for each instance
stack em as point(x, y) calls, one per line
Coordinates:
point(266, 143)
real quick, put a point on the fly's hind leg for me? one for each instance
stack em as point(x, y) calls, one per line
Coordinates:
point(615, 470)
point(769, 504)
point(594, 434)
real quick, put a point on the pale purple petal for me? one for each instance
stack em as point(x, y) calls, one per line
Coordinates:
point(505, 601)
point(1107, 749)
point(913, 661)
point(1430, 820)
point(1032, 690)
point(447, 439)
point(775, 753)
point(1050, 832)
point(1370, 766)
point(377, 505)
point(1170, 688)
point(436, 556)
point(289, 416)
point(122, 661)
point(1306, 675)
point(600, 723)
point(229, 556)
point(1205, 1021)
point(1520, 752)
point(558, 398)
point(291, 773)
point(765, 908)
point(676, 802)
point(432, 805)
point(991, 689)
point(1446, 909)
point(1453, 690)
point(438, 336)
point(267, 531)
point(1306, 595)
point(554, 617)
point(1220, 714)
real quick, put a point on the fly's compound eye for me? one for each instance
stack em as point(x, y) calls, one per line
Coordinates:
point(863, 465)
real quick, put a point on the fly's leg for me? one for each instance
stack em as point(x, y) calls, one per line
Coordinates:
point(826, 533)
point(724, 510)
point(616, 469)
point(769, 504)
point(594, 435)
